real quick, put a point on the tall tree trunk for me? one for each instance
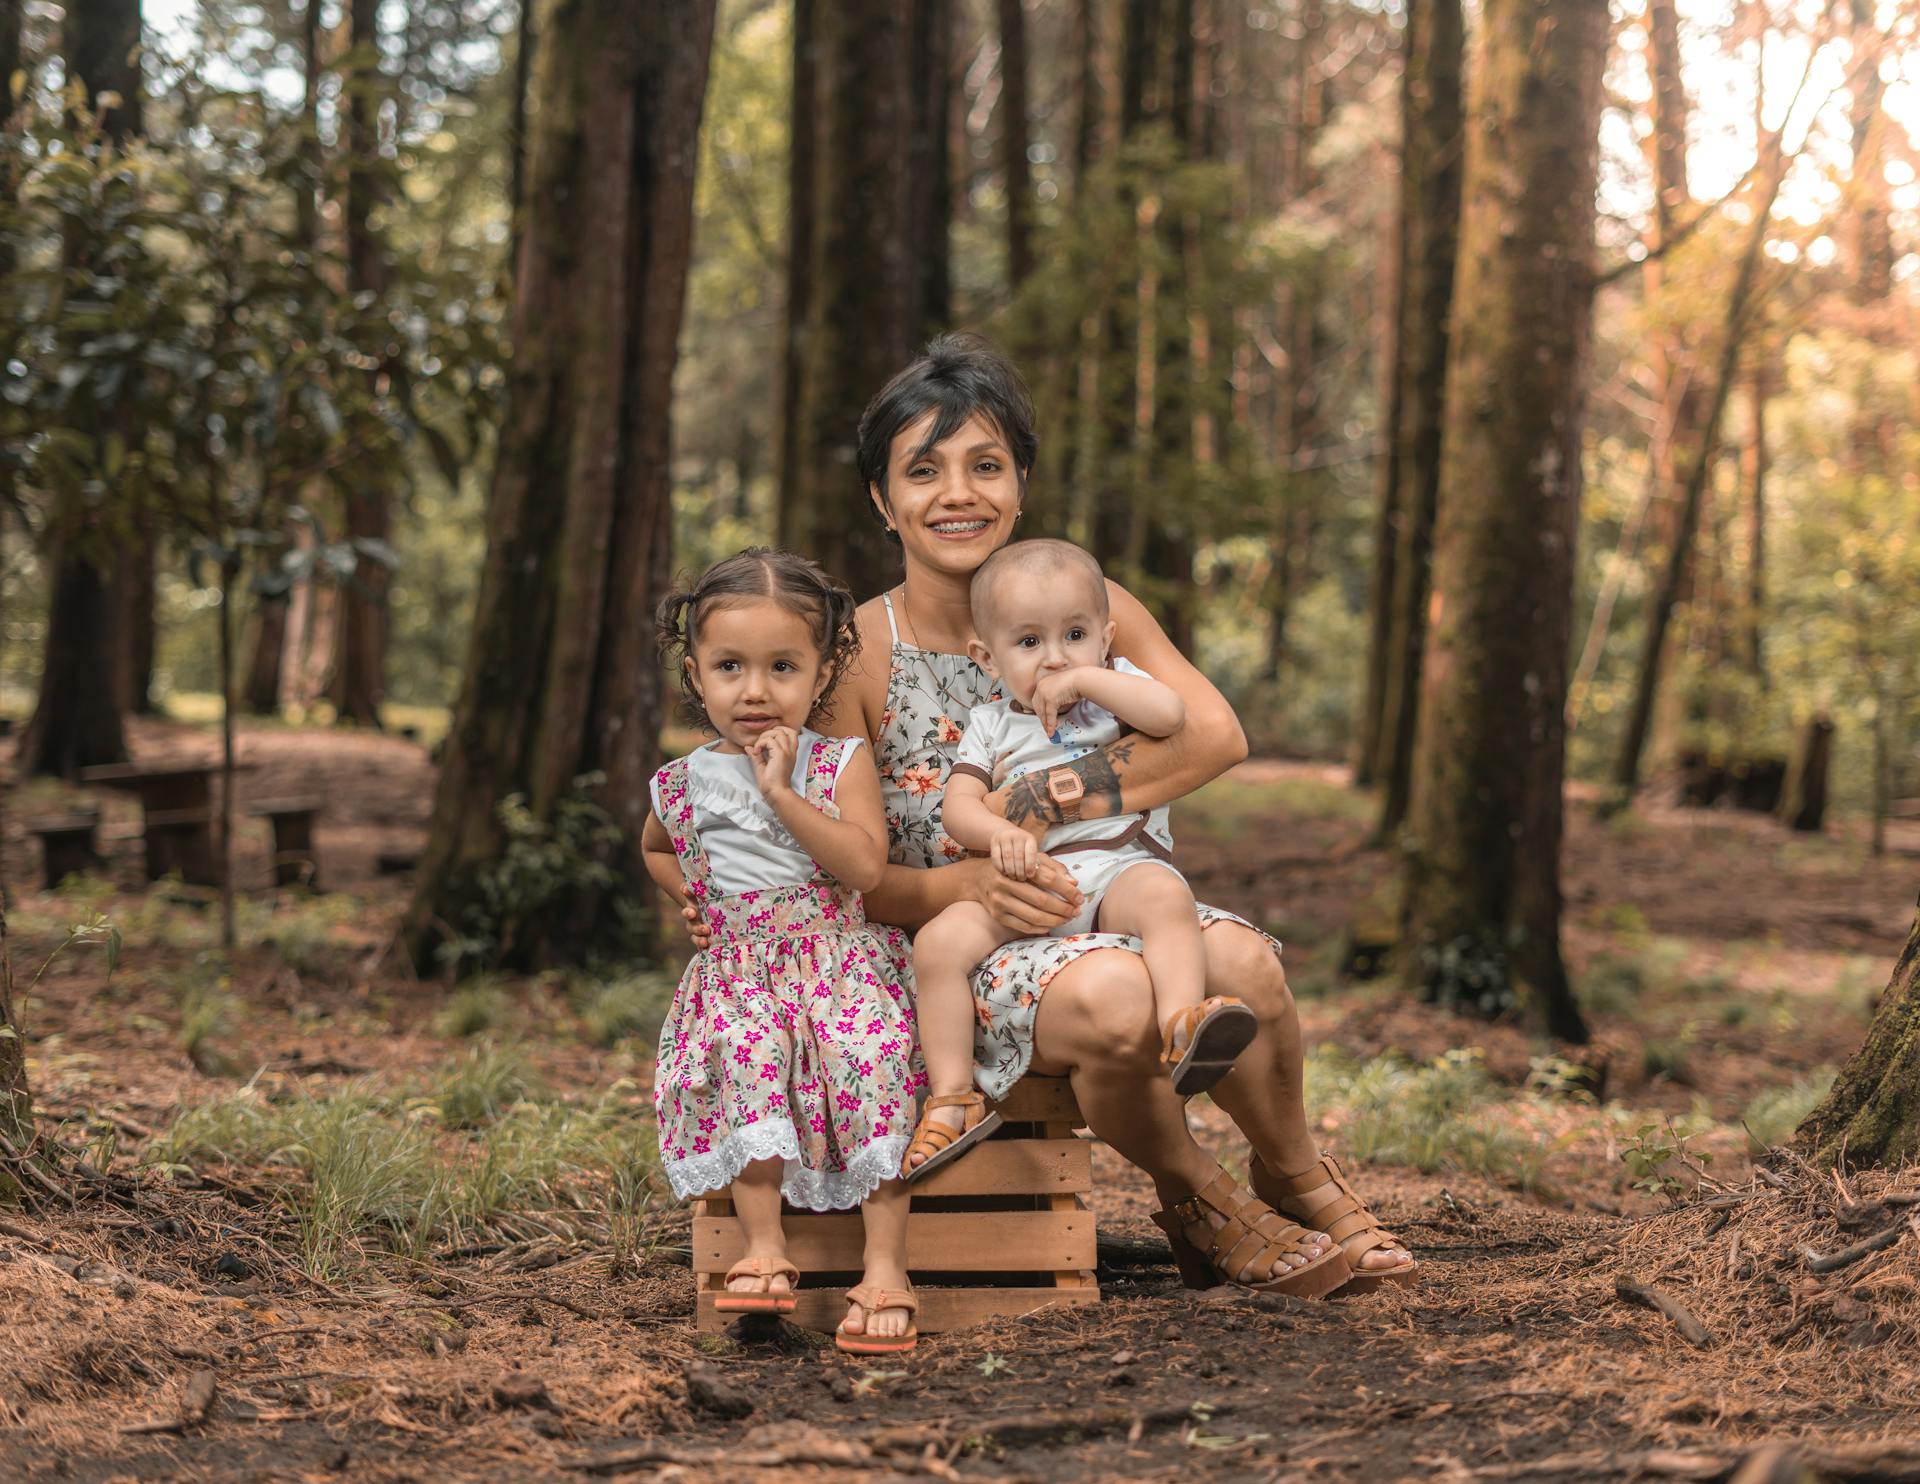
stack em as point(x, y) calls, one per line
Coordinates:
point(16, 1095)
point(803, 125)
point(87, 663)
point(1086, 92)
point(1014, 140)
point(1871, 1116)
point(1434, 161)
point(560, 677)
point(525, 39)
point(261, 693)
point(1482, 925)
point(1666, 595)
point(360, 658)
point(929, 171)
point(867, 286)
point(1757, 462)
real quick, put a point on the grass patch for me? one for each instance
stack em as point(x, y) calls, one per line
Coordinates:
point(611, 1010)
point(476, 1007)
point(482, 1086)
point(1772, 1116)
point(1230, 808)
point(363, 1171)
point(1446, 1114)
point(302, 934)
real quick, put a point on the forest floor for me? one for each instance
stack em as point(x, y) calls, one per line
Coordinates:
point(409, 1233)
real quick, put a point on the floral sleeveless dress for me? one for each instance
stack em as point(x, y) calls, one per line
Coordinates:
point(792, 1036)
point(929, 698)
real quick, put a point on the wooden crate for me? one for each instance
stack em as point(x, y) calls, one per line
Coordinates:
point(1006, 1229)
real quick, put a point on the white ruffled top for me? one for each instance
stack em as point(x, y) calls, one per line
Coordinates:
point(747, 847)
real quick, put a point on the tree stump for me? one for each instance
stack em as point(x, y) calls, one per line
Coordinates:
point(1803, 799)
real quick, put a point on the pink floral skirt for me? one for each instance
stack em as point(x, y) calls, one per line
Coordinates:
point(790, 1038)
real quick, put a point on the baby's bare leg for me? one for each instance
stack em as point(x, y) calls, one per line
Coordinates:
point(1156, 906)
point(945, 952)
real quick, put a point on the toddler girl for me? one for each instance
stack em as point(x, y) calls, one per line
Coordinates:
point(787, 1062)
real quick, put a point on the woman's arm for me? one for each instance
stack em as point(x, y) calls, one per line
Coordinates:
point(1136, 772)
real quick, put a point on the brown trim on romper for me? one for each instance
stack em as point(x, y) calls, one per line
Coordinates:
point(1133, 834)
point(970, 770)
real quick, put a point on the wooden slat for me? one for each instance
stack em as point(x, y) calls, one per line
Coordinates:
point(1041, 1100)
point(937, 1241)
point(941, 1309)
point(1014, 1167)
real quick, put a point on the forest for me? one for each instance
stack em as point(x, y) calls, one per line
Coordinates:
point(1510, 409)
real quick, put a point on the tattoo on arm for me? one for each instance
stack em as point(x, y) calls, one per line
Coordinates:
point(1028, 799)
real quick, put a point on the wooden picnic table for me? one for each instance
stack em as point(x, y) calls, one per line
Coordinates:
point(176, 802)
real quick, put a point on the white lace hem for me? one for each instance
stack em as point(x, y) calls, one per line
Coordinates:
point(814, 1190)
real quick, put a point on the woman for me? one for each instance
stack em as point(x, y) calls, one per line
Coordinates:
point(945, 451)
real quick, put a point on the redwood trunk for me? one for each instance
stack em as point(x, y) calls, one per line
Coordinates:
point(1872, 1114)
point(261, 693)
point(1436, 104)
point(1483, 884)
point(361, 655)
point(802, 185)
point(1014, 139)
point(561, 678)
point(87, 662)
point(864, 315)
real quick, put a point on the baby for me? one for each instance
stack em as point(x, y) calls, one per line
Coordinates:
point(1040, 610)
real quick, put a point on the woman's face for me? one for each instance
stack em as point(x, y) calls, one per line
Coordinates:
point(953, 505)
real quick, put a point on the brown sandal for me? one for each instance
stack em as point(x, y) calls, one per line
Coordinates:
point(1343, 1216)
point(1253, 1236)
point(874, 1298)
point(940, 1144)
point(1216, 1031)
point(766, 1300)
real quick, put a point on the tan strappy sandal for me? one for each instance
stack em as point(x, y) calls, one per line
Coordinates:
point(766, 1301)
point(873, 1298)
point(1342, 1216)
point(1251, 1236)
point(940, 1144)
point(1216, 1031)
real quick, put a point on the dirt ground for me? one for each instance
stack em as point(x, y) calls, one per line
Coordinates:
point(1511, 1357)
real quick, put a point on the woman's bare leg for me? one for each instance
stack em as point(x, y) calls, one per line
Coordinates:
point(885, 1216)
point(1264, 1093)
point(1097, 1027)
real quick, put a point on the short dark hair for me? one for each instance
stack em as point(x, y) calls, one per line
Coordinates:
point(960, 375)
point(797, 584)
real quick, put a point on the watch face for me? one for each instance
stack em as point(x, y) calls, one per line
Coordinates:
point(1065, 787)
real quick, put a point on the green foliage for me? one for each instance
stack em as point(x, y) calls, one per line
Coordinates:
point(632, 1004)
point(538, 865)
point(476, 1007)
point(1657, 1154)
point(368, 1170)
point(1770, 1117)
point(1446, 1114)
point(481, 1086)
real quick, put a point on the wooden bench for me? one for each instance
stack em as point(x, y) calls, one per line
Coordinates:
point(66, 846)
point(180, 843)
point(295, 862)
point(1002, 1231)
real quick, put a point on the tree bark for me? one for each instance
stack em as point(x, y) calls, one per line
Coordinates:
point(87, 662)
point(561, 678)
point(261, 694)
point(868, 285)
point(1086, 92)
point(1871, 1116)
point(929, 171)
point(1434, 160)
point(1758, 462)
point(360, 657)
point(16, 1096)
point(1482, 904)
point(525, 39)
point(802, 187)
point(1014, 140)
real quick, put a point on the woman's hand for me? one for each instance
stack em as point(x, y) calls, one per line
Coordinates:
point(1031, 908)
point(698, 930)
point(772, 755)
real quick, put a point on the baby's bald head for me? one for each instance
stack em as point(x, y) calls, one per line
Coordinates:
point(1027, 566)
